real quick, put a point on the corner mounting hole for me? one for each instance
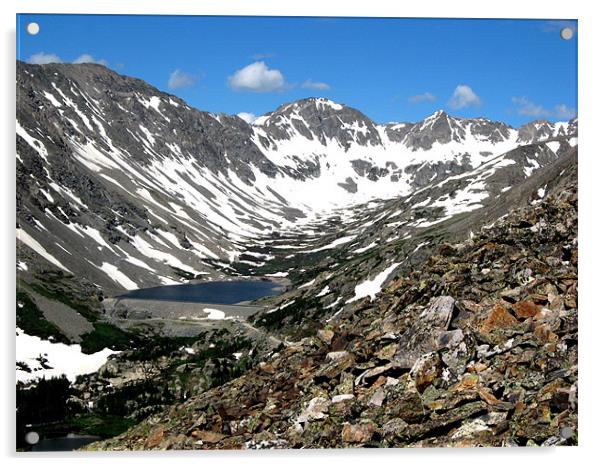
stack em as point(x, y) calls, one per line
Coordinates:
point(33, 28)
point(566, 33)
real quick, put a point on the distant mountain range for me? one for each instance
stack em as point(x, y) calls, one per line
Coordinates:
point(129, 187)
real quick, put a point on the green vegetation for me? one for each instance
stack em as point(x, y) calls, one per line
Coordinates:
point(134, 401)
point(289, 318)
point(31, 320)
point(57, 293)
point(106, 335)
point(152, 393)
point(41, 404)
point(223, 366)
point(45, 407)
point(44, 402)
point(103, 426)
point(158, 346)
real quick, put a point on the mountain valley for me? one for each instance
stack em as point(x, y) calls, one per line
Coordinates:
point(428, 269)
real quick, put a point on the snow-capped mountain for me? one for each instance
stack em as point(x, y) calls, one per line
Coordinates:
point(325, 144)
point(131, 187)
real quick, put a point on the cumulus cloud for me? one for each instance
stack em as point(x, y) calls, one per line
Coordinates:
point(257, 77)
point(316, 85)
point(248, 117)
point(178, 79)
point(42, 58)
point(462, 97)
point(424, 97)
point(524, 106)
point(87, 58)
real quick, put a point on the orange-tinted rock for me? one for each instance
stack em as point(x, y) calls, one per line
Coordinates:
point(544, 334)
point(154, 439)
point(547, 337)
point(526, 309)
point(570, 302)
point(358, 433)
point(487, 396)
point(325, 335)
point(574, 257)
point(468, 382)
point(498, 318)
point(266, 367)
point(207, 436)
point(476, 367)
point(379, 381)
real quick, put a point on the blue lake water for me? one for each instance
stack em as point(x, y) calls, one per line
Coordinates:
point(218, 292)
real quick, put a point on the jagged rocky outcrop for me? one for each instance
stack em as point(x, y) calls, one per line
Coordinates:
point(477, 347)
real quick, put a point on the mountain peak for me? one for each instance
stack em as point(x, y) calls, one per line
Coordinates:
point(320, 103)
point(327, 103)
point(436, 115)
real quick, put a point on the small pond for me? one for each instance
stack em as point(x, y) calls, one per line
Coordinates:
point(68, 442)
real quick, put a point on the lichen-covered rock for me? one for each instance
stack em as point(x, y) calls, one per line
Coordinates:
point(425, 370)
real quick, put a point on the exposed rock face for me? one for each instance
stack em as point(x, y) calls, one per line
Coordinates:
point(422, 337)
point(492, 322)
point(322, 120)
point(541, 129)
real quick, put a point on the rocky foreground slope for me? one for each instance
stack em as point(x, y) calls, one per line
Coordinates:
point(477, 347)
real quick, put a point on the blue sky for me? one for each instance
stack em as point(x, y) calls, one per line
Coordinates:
point(390, 69)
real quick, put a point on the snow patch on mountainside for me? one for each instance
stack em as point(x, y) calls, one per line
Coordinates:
point(118, 276)
point(26, 239)
point(372, 287)
point(49, 359)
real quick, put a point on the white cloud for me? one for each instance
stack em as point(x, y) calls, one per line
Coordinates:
point(424, 97)
point(42, 58)
point(256, 77)
point(316, 85)
point(179, 79)
point(248, 117)
point(462, 97)
point(563, 111)
point(87, 58)
point(523, 106)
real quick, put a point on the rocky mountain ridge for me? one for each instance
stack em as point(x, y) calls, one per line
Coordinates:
point(151, 191)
